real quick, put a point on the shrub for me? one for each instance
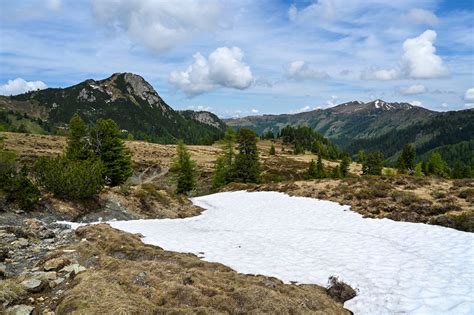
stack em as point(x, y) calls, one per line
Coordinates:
point(339, 290)
point(405, 198)
point(70, 179)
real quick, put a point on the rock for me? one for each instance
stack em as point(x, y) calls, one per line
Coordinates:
point(76, 268)
point(3, 271)
point(33, 285)
point(3, 253)
point(20, 310)
point(55, 264)
point(58, 281)
point(44, 276)
point(22, 242)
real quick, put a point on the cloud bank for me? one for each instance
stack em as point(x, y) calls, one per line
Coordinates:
point(158, 24)
point(301, 70)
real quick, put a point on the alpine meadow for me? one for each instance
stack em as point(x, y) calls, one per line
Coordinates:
point(236, 157)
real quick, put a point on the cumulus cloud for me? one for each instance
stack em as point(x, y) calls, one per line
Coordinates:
point(420, 16)
point(413, 89)
point(224, 67)
point(301, 70)
point(419, 61)
point(19, 86)
point(416, 103)
point(469, 95)
point(200, 108)
point(158, 24)
point(254, 111)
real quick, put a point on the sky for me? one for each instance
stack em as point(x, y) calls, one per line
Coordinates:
point(247, 57)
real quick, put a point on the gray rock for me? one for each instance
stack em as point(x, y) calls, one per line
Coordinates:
point(22, 242)
point(55, 264)
point(76, 268)
point(20, 310)
point(32, 285)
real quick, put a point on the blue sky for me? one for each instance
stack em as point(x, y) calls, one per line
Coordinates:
point(238, 58)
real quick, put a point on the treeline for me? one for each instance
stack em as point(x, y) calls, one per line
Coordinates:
point(408, 163)
point(303, 138)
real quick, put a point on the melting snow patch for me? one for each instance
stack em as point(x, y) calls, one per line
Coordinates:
point(398, 267)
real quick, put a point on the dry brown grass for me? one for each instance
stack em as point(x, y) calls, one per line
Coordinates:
point(130, 278)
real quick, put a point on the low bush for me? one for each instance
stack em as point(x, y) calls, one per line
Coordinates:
point(70, 179)
point(405, 198)
point(339, 290)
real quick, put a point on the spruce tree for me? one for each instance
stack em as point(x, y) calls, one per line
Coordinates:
point(418, 170)
point(312, 172)
point(272, 150)
point(336, 172)
point(344, 165)
point(78, 147)
point(406, 161)
point(247, 166)
point(184, 170)
point(361, 156)
point(110, 148)
point(437, 166)
point(321, 173)
point(373, 163)
point(224, 163)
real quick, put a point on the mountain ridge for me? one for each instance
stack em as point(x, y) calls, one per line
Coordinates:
point(374, 125)
point(126, 98)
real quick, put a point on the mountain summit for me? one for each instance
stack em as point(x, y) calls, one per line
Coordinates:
point(126, 98)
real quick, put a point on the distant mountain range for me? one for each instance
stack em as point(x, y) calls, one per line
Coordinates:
point(376, 125)
point(124, 97)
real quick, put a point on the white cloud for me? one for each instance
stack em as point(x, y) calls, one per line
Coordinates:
point(469, 95)
point(200, 108)
point(420, 60)
point(158, 24)
point(292, 13)
point(469, 104)
point(380, 74)
point(444, 105)
point(420, 16)
point(223, 67)
point(254, 111)
point(301, 70)
point(413, 89)
point(19, 86)
point(416, 103)
point(54, 5)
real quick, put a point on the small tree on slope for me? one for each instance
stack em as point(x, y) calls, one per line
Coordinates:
point(184, 170)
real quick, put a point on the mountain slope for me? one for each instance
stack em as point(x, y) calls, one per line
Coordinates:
point(375, 125)
point(124, 97)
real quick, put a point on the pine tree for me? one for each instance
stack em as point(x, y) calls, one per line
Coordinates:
point(344, 165)
point(272, 150)
point(373, 163)
point(247, 166)
point(418, 170)
point(184, 170)
point(361, 157)
point(312, 172)
point(336, 172)
point(437, 166)
point(321, 173)
point(78, 147)
point(110, 148)
point(224, 163)
point(406, 161)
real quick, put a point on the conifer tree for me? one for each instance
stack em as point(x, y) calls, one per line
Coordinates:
point(336, 172)
point(247, 166)
point(184, 170)
point(224, 163)
point(361, 156)
point(406, 161)
point(272, 150)
point(437, 166)
point(321, 173)
point(110, 148)
point(312, 172)
point(344, 165)
point(373, 163)
point(78, 147)
point(418, 170)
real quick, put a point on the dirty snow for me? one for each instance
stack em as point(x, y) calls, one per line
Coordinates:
point(397, 267)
